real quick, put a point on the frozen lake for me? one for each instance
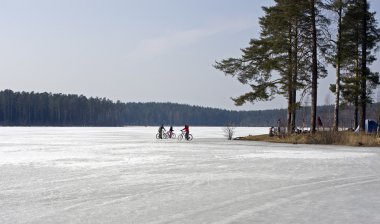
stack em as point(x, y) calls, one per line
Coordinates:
point(125, 175)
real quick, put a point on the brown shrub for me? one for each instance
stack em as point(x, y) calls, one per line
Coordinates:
point(322, 138)
point(343, 138)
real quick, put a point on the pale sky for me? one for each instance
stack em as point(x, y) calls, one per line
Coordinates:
point(132, 50)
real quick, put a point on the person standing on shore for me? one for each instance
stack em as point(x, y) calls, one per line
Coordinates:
point(279, 126)
point(320, 124)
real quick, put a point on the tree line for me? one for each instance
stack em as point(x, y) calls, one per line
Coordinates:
point(299, 39)
point(48, 109)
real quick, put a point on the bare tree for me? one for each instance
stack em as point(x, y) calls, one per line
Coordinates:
point(229, 131)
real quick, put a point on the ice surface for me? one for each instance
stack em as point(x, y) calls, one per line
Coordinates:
point(125, 175)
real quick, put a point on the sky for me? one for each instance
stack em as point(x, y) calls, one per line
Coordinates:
point(133, 50)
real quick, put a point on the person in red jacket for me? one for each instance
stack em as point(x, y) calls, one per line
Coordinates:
point(187, 131)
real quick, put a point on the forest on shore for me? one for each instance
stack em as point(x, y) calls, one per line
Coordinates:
point(48, 109)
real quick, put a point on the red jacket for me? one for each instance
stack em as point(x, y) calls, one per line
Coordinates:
point(186, 129)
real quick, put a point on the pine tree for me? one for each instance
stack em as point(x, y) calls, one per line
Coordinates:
point(338, 7)
point(358, 83)
point(279, 62)
point(269, 54)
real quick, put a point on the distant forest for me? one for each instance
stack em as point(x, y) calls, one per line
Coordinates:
point(47, 109)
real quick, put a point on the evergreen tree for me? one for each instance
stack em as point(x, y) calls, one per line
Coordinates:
point(353, 41)
point(280, 61)
point(339, 8)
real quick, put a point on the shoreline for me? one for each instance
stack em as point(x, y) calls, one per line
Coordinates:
point(343, 138)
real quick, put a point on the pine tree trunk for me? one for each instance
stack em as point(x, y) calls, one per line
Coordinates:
point(295, 75)
point(314, 78)
point(363, 79)
point(290, 83)
point(357, 81)
point(337, 85)
point(356, 113)
point(290, 113)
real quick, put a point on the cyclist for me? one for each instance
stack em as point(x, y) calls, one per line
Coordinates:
point(187, 131)
point(171, 131)
point(160, 130)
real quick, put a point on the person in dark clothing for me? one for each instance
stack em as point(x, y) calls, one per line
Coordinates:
point(319, 122)
point(271, 132)
point(160, 130)
point(187, 131)
point(171, 131)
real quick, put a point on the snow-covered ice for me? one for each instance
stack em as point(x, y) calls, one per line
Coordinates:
point(125, 175)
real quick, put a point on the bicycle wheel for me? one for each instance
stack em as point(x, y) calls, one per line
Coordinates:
point(173, 135)
point(158, 135)
point(164, 136)
point(190, 137)
point(180, 137)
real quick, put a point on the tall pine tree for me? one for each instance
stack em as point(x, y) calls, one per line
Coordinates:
point(358, 83)
point(280, 61)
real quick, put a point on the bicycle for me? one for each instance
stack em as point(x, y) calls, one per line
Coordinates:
point(183, 134)
point(170, 134)
point(164, 135)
